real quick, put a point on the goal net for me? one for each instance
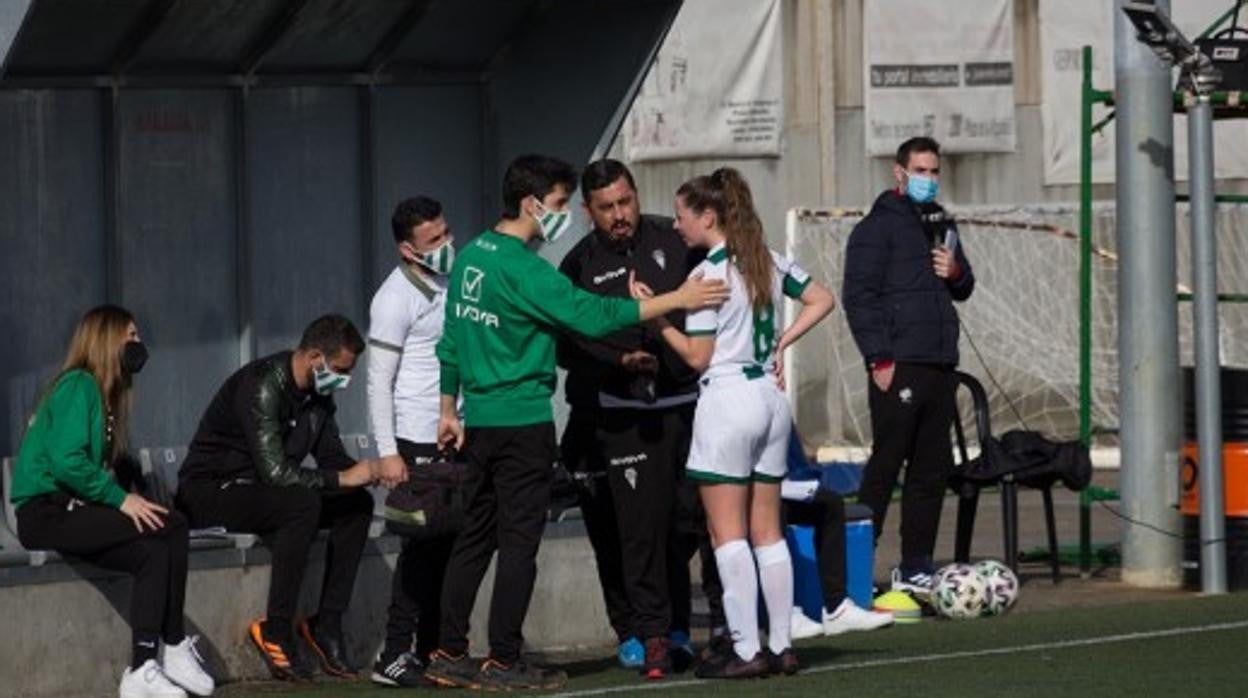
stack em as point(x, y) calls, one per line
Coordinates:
point(1020, 333)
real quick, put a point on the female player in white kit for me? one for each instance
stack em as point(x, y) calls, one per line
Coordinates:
point(742, 422)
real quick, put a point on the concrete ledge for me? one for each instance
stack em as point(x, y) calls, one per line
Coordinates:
point(58, 608)
point(1103, 457)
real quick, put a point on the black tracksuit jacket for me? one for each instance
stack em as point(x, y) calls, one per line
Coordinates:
point(659, 258)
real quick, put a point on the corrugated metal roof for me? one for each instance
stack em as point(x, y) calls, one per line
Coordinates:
point(209, 36)
point(65, 39)
point(438, 41)
point(63, 36)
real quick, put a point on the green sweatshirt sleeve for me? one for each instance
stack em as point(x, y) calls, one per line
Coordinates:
point(549, 296)
point(448, 360)
point(71, 413)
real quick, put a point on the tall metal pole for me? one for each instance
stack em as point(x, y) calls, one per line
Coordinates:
point(1085, 302)
point(1208, 371)
point(1148, 347)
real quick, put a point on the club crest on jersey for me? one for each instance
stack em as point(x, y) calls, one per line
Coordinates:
point(471, 288)
point(906, 395)
point(660, 258)
point(630, 475)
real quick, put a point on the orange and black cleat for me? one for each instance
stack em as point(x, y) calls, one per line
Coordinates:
point(519, 675)
point(278, 655)
point(328, 648)
point(451, 671)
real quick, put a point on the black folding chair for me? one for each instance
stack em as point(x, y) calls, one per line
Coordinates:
point(968, 489)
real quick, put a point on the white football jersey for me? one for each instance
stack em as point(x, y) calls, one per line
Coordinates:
point(406, 318)
point(745, 340)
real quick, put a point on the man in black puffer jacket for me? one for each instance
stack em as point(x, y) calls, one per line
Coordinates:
point(904, 268)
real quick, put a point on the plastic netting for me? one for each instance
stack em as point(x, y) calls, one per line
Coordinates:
point(1020, 328)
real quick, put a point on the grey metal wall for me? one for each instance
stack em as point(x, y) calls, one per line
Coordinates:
point(52, 218)
point(430, 141)
point(227, 170)
point(176, 249)
point(299, 172)
point(305, 244)
point(575, 110)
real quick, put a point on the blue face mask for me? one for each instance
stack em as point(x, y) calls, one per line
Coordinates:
point(921, 188)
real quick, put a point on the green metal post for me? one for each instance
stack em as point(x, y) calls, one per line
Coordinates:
point(1085, 302)
point(1218, 22)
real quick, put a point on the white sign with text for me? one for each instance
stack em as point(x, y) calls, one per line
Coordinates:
point(933, 72)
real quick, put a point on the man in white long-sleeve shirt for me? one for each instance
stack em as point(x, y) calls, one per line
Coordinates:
point(405, 324)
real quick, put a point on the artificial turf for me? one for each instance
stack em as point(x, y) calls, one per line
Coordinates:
point(1185, 647)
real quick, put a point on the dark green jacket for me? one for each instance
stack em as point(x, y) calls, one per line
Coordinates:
point(504, 308)
point(63, 450)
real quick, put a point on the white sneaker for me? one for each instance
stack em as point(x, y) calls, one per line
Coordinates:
point(918, 584)
point(184, 666)
point(801, 627)
point(148, 681)
point(848, 617)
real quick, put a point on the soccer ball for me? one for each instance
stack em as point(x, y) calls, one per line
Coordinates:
point(959, 592)
point(1002, 586)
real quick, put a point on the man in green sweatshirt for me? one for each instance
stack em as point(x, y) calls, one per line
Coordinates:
point(505, 305)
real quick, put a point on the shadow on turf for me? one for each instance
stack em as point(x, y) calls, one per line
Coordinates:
point(118, 591)
point(810, 655)
point(602, 668)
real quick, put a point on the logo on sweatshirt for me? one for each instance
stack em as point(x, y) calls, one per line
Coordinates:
point(631, 459)
point(609, 275)
point(471, 289)
point(474, 314)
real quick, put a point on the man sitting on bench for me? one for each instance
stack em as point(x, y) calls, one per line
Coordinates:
point(243, 471)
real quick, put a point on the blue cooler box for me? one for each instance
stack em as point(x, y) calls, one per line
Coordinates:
point(859, 561)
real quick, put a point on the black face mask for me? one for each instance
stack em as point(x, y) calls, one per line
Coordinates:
point(133, 356)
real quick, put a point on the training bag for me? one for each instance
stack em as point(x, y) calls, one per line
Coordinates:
point(1031, 460)
point(432, 502)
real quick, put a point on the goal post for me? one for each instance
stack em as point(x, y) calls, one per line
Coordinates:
point(1021, 326)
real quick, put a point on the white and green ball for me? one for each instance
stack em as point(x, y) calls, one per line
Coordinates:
point(1002, 586)
point(959, 592)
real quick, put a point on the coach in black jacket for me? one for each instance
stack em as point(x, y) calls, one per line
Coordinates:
point(904, 268)
point(632, 402)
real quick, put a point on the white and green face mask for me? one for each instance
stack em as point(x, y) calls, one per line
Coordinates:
point(553, 223)
point(438, 260)
point(327, 381)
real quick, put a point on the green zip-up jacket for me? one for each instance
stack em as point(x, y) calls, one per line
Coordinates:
point(504, 306)
point(63, 450)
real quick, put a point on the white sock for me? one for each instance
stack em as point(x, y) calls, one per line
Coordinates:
point(740, 579)
point(775, 575)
